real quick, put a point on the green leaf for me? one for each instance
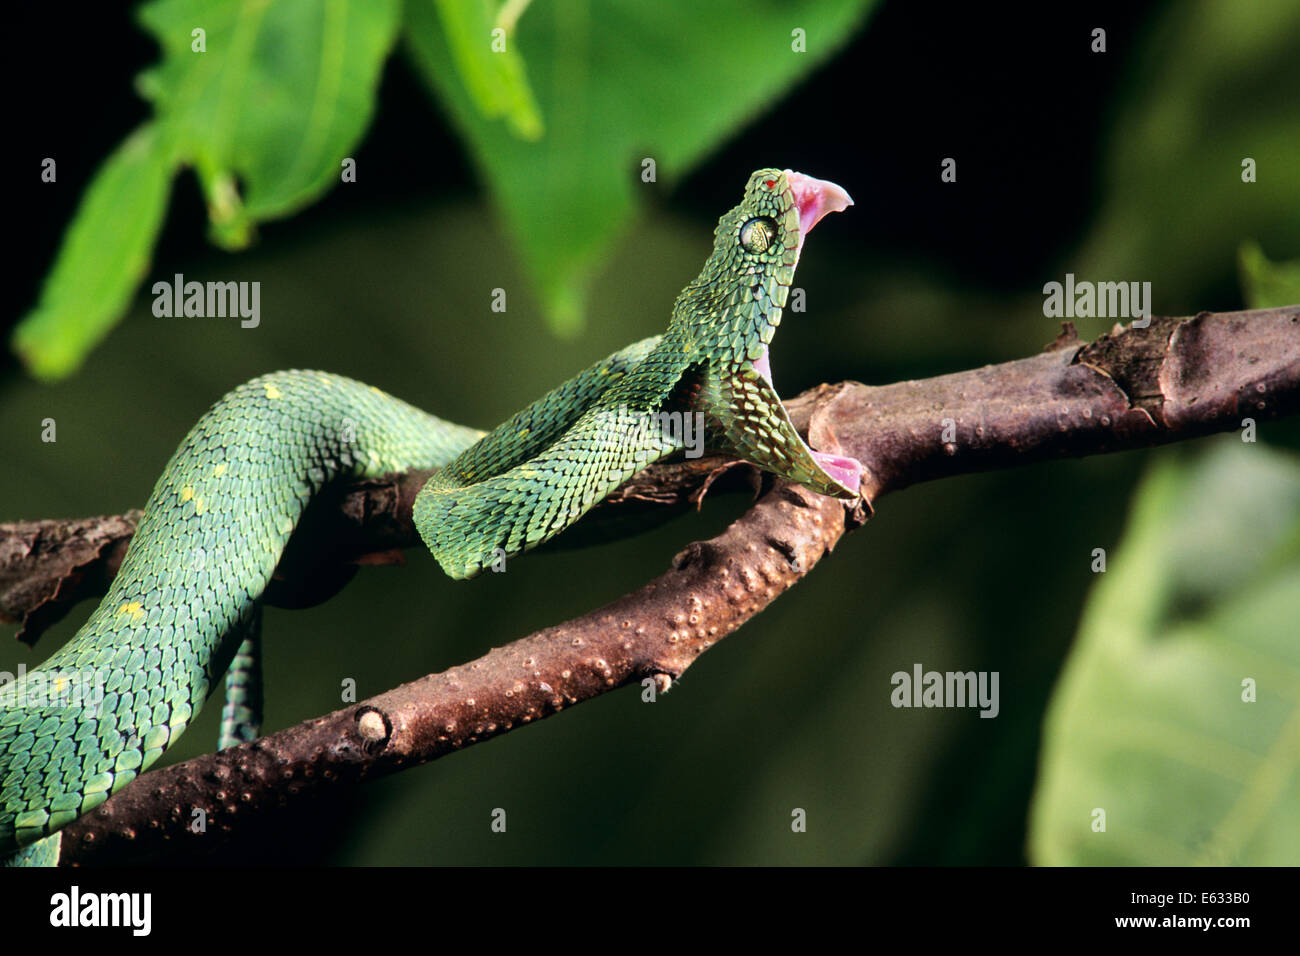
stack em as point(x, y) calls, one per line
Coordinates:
point(278, 99)
point(104, 256)
point(1149, 722)
point(1268, 285)
point(266, 114)
point(619, 82)
point(490, 68)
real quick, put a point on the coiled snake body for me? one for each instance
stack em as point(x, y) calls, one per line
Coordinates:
point(184, 608)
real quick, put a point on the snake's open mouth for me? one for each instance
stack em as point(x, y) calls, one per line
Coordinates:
point(814, 199)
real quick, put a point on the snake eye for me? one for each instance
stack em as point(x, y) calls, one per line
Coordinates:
point(757, 234)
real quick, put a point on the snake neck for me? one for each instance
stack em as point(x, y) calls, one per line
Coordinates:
point(727, 326)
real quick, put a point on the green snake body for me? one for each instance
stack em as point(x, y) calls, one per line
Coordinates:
point(185, 603)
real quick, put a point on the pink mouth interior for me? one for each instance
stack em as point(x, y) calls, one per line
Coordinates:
point(814, 198)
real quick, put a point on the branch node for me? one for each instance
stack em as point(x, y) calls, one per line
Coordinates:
point(703, 554)
point(1067, 337)
point(375, 729)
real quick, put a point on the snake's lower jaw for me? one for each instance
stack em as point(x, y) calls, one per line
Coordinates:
point(846, 472)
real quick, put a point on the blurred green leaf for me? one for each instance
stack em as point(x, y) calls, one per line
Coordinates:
point(619, 82)
point(490, 67)
point(1268, 284)
point(1148, 722)
point(282, 94)
point(279, 97)
point(104, 256)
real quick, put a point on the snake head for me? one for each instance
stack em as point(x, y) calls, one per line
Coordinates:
point(724, 321)
point(736, 303)
point(768, 228)
point(734, 307)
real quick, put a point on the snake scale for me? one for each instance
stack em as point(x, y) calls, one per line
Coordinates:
point(184, 608)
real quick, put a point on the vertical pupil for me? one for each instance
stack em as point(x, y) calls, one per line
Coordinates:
point(756, 235)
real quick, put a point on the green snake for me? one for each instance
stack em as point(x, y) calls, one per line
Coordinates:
point(184, 608)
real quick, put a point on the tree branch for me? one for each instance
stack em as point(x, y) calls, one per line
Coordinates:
point(1173, 380)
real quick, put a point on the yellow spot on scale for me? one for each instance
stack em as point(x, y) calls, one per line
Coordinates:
point(134, 608)
point(219, 470)
point(187, 493)
point(377, 391)
point(272, 392)
point(199, 507)
point(523, 432)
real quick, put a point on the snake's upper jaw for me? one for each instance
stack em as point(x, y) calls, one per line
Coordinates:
point(814, 199)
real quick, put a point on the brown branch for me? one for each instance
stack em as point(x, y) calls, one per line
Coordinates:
point(1173, 380)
